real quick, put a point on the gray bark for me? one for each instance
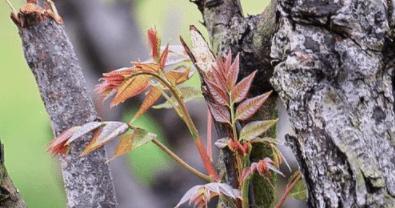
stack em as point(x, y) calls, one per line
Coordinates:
point(9, 194)
point(97, 29)
point(51, 57)
point(334, 72)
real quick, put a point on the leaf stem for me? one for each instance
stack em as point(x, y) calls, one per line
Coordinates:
point(186, 117)
point(209, 135)
point(181, 161)
point(245, 185)
point(288, 189)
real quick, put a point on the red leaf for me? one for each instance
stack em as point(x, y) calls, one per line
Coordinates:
point(220, 96)
point(240, 92)
point(152, 96)
point(112, 80)
point(154, 42)
point(177, 76)
point(130, 88)
point(233, 73)
point(163, 57)
point(250, 106)
point(220, 113)
point(59, 146)
point(227, 62)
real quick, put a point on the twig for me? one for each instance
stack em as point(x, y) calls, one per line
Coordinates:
point(209, 135)
point(181, 161)
point(288, 189)
point(14, 11)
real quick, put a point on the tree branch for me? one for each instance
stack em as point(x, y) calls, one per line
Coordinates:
point(9, 194)
point(335, 74)
point(251, 38)
point(54, 64)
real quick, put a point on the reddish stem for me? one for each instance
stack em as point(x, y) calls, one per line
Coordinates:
point(209, 135)
point(212, 172)
point(288, 190)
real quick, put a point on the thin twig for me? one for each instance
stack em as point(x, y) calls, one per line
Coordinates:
point(288, 189)
point(14, 11)
point(181, 161)
point(209, 135)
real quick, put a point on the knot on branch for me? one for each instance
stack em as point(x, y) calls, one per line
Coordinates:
point(32, 14)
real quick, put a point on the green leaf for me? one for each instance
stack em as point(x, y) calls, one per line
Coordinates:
point(188, 93)
point(256, 128)
point(141, 137)
point(299, 191)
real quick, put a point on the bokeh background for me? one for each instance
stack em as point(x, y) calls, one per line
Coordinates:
point(24, 124)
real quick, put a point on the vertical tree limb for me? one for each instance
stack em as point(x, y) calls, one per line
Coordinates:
point(54, 64)
point(251, 38)
point(335, 74)
point(9, 194)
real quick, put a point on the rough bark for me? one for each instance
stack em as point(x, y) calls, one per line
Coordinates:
point(251, 38)
point(9, 194)
point(95, 42)
point(334, 72)
point(51, 57)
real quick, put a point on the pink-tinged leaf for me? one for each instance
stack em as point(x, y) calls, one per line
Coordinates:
point(240, 92)
point(217, 93)
point(261, 167)
point(250, 106)
point(188, 94)
point(254, 129)
point(227, 62)
point(177, 76)
point(220, 113)
point(200, 195)
point(110, 81)
point(233, 73)
point(111, 130)
point(152, 96)
point(205, 59)
point(217, 77)
point(130, 88)
point(163, 57)
point(84, 129)
point(59, 146)
point(154, 42)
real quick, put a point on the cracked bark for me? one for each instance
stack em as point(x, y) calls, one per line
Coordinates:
point(9, 194)
point(334, 72)
point(51, 57)
point(334, 65)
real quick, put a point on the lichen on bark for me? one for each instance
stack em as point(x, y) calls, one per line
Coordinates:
point(334, 73)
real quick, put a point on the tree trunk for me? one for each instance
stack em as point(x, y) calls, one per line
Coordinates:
point(251, 38)
point(54, 64)
point(334, 72)
point(9, 194)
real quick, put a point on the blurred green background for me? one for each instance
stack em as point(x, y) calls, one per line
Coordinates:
point(24, 125)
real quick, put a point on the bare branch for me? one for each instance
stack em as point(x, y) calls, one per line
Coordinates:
point(54, 64)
